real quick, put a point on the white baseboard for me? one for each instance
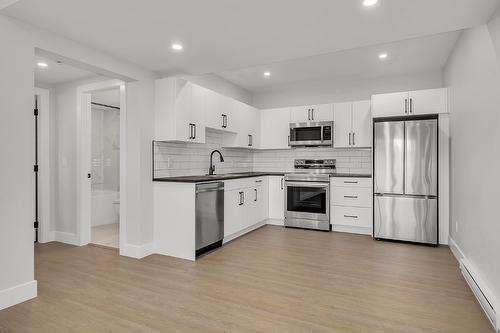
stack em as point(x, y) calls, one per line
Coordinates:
point(244, 231)
point(137, 251)
point(352, 229)
point(278, 222)
point(18, 294)
point(67, 238)
point(484, 290)
point(457, 252)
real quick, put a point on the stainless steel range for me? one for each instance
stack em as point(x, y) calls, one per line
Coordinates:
point(307, 194)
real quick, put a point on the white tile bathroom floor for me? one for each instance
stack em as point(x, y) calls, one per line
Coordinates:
point(106, 235)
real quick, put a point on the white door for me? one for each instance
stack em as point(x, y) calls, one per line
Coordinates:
point(216, 107)
point(233, 212)
point(276, 197)
point(362, 124)
point(386, 105)
point(198, 95)
point(323, 112)
point(429, 101)
point(342, 123)
point(261, 199)
point(300, 114)
point(275, 128)
point(183, 111)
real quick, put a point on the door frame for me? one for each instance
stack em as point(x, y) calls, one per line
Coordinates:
point(45, 184)
point(84, 144)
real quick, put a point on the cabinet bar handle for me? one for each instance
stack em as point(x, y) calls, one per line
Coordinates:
point(255, 194)
point(350, 182)
point(191, 131)
point(242, 199)
point(312, 114)
point(281, 183)
point(406, 105)
point(350, 138)
point(411, 105)
point(194, 131)
point(353, 139)
point(351, 196)
point(351, 216)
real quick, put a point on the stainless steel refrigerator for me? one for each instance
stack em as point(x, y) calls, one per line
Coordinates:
point(405, 184)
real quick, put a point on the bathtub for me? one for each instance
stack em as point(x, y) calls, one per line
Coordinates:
point(105, 207)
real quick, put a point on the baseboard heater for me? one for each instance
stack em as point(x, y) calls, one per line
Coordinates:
point(489, 306)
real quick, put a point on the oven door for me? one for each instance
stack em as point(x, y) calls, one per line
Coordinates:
point(306, 135)
point(307, 200)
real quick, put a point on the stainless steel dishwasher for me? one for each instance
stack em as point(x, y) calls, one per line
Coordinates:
point(209, 216)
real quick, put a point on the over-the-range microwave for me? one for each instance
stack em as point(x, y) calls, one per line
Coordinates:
point(311, 134)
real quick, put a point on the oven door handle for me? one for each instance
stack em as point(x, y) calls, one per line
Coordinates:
point(306, 184)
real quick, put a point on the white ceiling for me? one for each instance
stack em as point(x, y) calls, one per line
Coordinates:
point(409, 56)
point(221, 35)
point(58, 73)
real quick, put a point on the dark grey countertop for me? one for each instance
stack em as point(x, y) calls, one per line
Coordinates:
point(228, 176)
point(225, 176)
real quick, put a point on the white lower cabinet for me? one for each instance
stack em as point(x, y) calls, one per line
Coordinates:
point(245, 206)
point(277, 199)
point(351, 205)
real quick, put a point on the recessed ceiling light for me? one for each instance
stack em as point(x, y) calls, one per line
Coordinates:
point(369, 3)
point(42, 64)
point(383, 56)
point(177, 47)
point(267, 73)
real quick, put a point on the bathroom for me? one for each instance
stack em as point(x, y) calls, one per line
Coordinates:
point(105, 138)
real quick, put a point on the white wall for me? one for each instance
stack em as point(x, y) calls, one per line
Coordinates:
point(473, 75)
point(343, 90)
point(140, 130)
point(16, 168)
point(222, 86)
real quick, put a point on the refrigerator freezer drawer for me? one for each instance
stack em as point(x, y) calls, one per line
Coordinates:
point(406, 219)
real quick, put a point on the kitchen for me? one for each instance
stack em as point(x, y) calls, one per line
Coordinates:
point(291, 166)
point(313, 194)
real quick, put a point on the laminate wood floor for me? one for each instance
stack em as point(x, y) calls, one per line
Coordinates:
point(271, 280)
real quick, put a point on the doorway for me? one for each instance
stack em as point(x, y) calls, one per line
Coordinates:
point(101, 163)
point(105, 172)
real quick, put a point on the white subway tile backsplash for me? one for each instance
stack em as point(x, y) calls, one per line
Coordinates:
point(184, 159)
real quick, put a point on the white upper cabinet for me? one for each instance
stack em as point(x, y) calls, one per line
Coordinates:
point(301, 114)
point(352, 125)
point(246, 123)
point(179, 111)
point(342, 123)
point(430, 101)
point(219, 111)
point(275, 128)
point(361, 124)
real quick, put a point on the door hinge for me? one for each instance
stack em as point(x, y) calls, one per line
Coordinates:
point(35, 224)
point(35, 112)
point(35, 168)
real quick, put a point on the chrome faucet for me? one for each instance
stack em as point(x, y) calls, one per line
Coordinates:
point(211, 169)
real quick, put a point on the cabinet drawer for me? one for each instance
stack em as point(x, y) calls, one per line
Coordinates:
point(351, 216)
point(351, 182)
point(242, 183)
point(351, 196)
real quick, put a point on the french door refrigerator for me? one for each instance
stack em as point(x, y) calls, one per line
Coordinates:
point(405, 183)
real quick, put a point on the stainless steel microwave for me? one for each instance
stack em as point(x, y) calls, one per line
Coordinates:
point(311, 134)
